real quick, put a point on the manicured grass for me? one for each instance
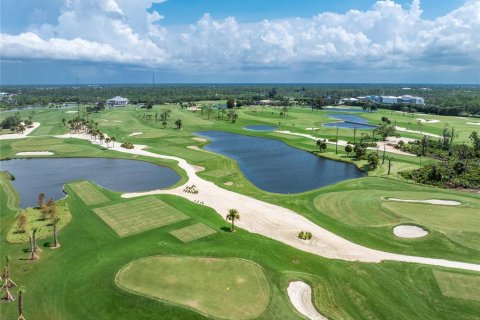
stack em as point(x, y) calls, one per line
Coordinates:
point(44, 144)
point(138, 215)
point(218, 173)
point(459, 286)
point(220, 288)
point(193, 232)
point(44, 227)
point(89, 193)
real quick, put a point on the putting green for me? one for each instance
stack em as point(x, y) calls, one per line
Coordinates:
point(460, 286)
point(193, 232)
point(135, 216)
point(89, 194)
point(222, 288)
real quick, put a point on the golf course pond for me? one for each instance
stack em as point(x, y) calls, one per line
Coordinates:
point(33, 176)
point(348, 121)
point(260, 128)
point(274, 166)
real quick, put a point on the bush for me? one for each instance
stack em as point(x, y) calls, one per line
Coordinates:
point(127, 145)
point(305, 235)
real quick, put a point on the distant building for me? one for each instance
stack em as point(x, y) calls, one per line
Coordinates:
point(117, 101)
point(388, 99)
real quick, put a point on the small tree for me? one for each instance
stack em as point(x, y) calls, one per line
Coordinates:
point(231, 103)
point(373, 160)
point(164, 124)
point(232, 216)
point(348, 149)
point(322, 145)
point(22, 222)
point(21, 292)
point(56, 244)
point(179, 124)
point(41, 200)
point(359, 152)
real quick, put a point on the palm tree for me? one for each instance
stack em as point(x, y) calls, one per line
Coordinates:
point(107, 141)
point(232, 216)
point(21, 291)
point(179, 124)
point(56, 244)
point(41, 200)
point(113, 139)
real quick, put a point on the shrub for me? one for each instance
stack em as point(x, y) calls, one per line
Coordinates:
point(127, 145)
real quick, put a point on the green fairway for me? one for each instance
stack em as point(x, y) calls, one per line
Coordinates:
point(457, 285)
point(220, 288)
point(89, 193)
point(138, 215)
point(193, 232)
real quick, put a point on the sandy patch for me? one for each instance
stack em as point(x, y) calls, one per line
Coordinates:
point(117, 121)
point(410, 232)
point(198, 168)
point(199, 139)
point(35, 153)
point(415, 131)
point(427, 121)
point(300, 295)
point(27, 131)
point(312, 129)
point(194, 148)
point(474, 123)
point(135, 134)
point(228, 183)
point(71, 111)
point(429, 201)
point(270, 220)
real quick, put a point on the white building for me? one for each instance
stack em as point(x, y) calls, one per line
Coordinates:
point(407, 99)
point(117, 101)
point(388, 99)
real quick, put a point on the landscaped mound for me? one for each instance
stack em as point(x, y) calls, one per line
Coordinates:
point(227, 288)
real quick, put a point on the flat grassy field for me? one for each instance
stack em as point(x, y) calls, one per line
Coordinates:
point(193, 232)
point(89, 194)
point(459, 286)
point(225, 289)
point(135, 216)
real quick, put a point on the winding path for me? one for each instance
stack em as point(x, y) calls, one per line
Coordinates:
point(274, 221)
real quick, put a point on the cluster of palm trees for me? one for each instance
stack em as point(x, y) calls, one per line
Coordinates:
point(8, 283)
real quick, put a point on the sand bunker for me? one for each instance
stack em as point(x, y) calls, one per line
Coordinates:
point(474, 123)
point(198, 168)
point(409, 231)
point(429, 201)
point(71, 111)
point(35, 153)
point(200, 139)
point(27, 131)
point(300, 295)
point(117, 121)
point(312, 129)
point(416, 131)
point(194, 148)
point(228, 183)
point(135, 134)
point(427, 121)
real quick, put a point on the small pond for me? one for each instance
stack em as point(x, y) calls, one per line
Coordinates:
point(261, 128)
point(344, 109)
point(33, 176)
point(274, 166)
point(349, 121)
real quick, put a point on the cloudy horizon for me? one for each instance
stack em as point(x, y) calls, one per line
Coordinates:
point(117, 41)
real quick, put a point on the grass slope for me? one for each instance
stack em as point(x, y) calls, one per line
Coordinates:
point(225, 288)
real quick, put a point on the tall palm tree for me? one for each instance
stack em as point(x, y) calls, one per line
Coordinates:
point(56, 244)
point(107, 141)
point(232, 216)
point(21, 291)
point(113, 139)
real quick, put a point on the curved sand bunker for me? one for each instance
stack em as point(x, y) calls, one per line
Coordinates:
point(300, 295)
point(273, 221)
point(428, 121)
point(409, 231)
point(35, 153)
point(135, 134)
point(429, 201)
point(200, 139)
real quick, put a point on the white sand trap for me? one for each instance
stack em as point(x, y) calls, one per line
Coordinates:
point(429, 201)
point(409, 231)
point(200, 139)
point(71, 111)
point(300, 295)
point(117, 121)
point(194, 148)
point(312, 129)
point(135, 134)
point(228, 183)
point(27, 131)
point(198, 168)
point(35, 153)
point(474, 123)
point(419, 132)
point(427, 121)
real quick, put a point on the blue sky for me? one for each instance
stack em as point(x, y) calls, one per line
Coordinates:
point(122, 41)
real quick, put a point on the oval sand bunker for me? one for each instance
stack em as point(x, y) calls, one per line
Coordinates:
point(409, 231)
point(300, 295)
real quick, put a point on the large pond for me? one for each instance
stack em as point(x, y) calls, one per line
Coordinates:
point(274, 166)
point(33, 176)
point(349, 121)
point(261, 128)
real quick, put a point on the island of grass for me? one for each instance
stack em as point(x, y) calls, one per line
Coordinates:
point(228, 288)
